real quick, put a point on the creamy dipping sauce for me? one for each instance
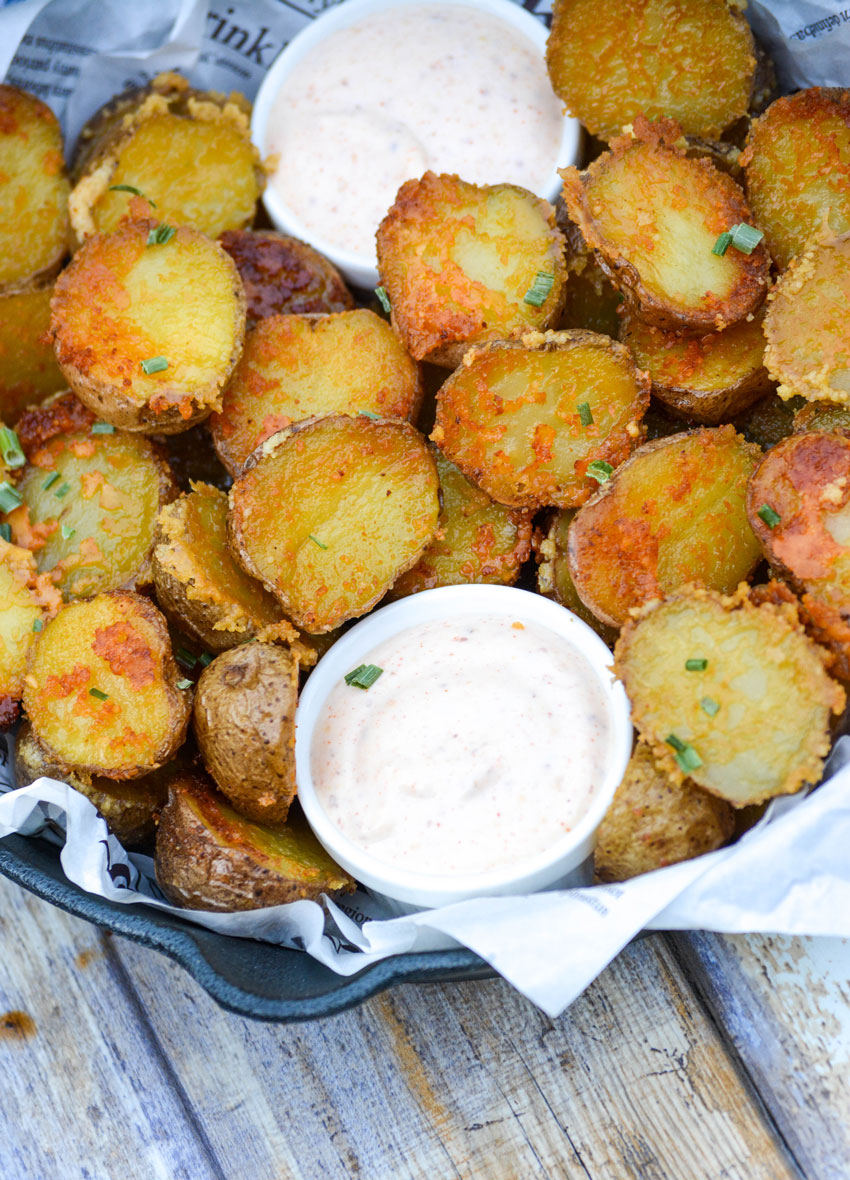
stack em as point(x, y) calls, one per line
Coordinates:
point(480, 746)
point(423, 86)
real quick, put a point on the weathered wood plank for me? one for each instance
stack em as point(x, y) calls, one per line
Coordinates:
point(784, 1003)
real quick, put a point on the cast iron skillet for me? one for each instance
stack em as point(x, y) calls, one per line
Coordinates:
point(253, 979)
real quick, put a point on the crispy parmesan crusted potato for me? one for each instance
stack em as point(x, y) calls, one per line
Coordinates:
point(329, 513)
point(199, 586)
point(244, 720)
point(833, 417)
point(654, 216)
point(674, 513)
point(512, 418)
point(101, 688)
point(284, 276)
point(754, 722)
point(210, 858)
point(189, 151)
point(34, 235)
point(709, 378)
point(797, 165)
point(553, 571)
point(90, 503)
point(26, 600)
point(477, 539)
point(296, 367)
point(28, 369)
point(653, 822)
point(457, 261)
point(693, 60)
point(808, 345)
point(124, 303)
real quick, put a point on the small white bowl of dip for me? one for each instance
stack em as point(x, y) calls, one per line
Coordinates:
point(373, 93)
point(482, 759)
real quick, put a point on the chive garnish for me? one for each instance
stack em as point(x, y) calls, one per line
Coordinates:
point(185, 657)
point(60, 493)
point(130, 188)
point(103, 428)
point(695, 665)
point(6, 531)
point(10, 498)
point(585, 414)
point(370, 414)
point(684, 753)
point(38, 625)
point(154, 364)
point(383, 299)
point(364, 676)
point(205, 659)
point(538, 292)
point(161, 234)
point(50, 481)
point(743, 237)
point(316, 541)
point(67, 532)
point(600, 470)
point(13, 456)
point(709, 705)
point(770, 518)
point(101, 696)
point(184, 683)
point(722, 244)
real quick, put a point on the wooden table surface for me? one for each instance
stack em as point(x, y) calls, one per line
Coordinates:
point(693, 1057)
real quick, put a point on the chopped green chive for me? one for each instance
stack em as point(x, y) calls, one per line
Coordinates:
point(364, 676)
point(585, 414)
point(154, 364)
point(709, 705)
point(50, 481)
point(370, 414)
point(60, 493)
point(696, 665)
point(6, 531)
point(722, 244)
point(316, 541)
point(205, 660)
point(600, 470)
point(383, 299)
point(67, 532)
point(130, 188)
point(38, 625)
point(742, 236)
point(185, 657)
point(103, 428)
point(101, 696)
point(13, 456)
point(184, 683)
point(770, 518)
point(161, 234)
point(684, 753)
point(538, 292)
point(10, 498)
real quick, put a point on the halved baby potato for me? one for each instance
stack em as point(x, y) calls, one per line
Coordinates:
point(147, 333)
point(329, 513)
point(101, 687)
point(731, 695)
point(672, 514)
point(463, 263)
point(26, 600)
point(28, 369)
point(554, 579)
point(530, 421)
point(654, 216)
point(300, 366)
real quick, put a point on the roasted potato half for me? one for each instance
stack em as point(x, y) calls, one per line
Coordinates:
point(808, 346)
point(284, 276)
point(531, 421)
point(654, 216)
point(208, 857)
point(464, 263)
point(147, 333)
point(693, 60)
point(34, 233)
point(708, 379)
point(199, 586)
point(674, 513)
point(295, 367)
point(189, 151)
point(554, 579)
point(477, 539)
point(244, 720)
point(101, 687)
point(797, 166)
point(731, 695)
point(28, 369)
point(329, 513)
point(653, 822)
point(26, 600)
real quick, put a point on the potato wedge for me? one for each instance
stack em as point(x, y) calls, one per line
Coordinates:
point(797, 166)
point(27, 599)
point(101, 687)
point(329, 513)
point(34, 234)
point(808, 346)
point(199, 586)
point(28, 369)
point(526, 420)
point(654, 217)
point(708, 379)
point(674, 513)
point(753, 722)
point(833, 417)
point(477, 539)
point(693, 60)
point(460, 264)
point(284, 276)
point(210, 858)
point(244, 720)
point(295, 367)
point(147, 335)
point(653, 822)
point(554, 579)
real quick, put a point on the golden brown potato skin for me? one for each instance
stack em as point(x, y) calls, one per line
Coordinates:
point(28, 369)
point(653, 822)
point(244, 720)
point(554, 579)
